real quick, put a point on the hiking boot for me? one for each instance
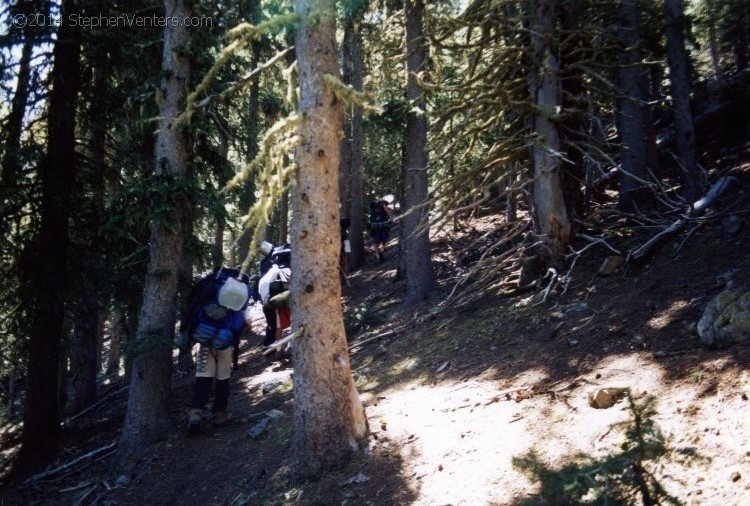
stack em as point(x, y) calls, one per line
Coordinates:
point(222, 417)
point(195, 418)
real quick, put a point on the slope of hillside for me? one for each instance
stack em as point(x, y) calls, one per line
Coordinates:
point(487, 404)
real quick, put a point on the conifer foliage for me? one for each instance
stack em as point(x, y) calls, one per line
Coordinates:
point(136, 157)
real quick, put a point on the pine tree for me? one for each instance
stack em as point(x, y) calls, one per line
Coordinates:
point(328, 416)
point(50, 251)
point(419, 276)
point(147, 418)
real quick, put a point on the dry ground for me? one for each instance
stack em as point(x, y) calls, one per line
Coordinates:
point(486, 405)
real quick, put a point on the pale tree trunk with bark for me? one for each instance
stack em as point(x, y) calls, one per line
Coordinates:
point(329, 420)
point(147, 417)
point(550, 213)
point(420, 279)
point(679, 79)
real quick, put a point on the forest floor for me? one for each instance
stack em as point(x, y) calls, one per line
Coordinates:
point(483, 405)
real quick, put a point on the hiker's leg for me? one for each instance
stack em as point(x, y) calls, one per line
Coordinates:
point(223, 372)
point(201, 391)
point(270, 314)
point(203, 377)
point(221, 395)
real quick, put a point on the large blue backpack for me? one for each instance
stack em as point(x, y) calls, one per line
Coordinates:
point(206, 321)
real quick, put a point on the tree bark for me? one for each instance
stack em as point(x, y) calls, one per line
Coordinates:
point(50, 252)
point(634, 117)
point(737, 33)
point(328, 416)
point(419, 276)
point(713, 43)
point(11, 168)
point(351, 172)
point(679, 79)
point(147, 417)
point(85, 363)
point(247, 198)
point(550, 213)
point(574, 101)
point(116, 333)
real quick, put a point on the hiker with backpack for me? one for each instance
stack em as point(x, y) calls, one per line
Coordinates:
point(273, 288)
point(380, 226)
point(214, 319)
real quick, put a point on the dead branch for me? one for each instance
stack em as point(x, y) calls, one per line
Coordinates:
point(719, 187)
point(641, 251)
point(243, 82)
point(75, 487)
point(602, 179)
point(70, 464)
point(572, 384)
point(716, 190)
point(97, 404)
point(389, 333)
point(85, 495)
point(503, 394)
point(281, 342)
point(593, 242)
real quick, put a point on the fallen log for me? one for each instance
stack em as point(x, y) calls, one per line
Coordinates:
point(716, 190)
point(70, 464)
point(98, 403)
point(281, 342)
point(389, 333)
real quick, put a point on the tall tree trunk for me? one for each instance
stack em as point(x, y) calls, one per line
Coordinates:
point(10, 413)
point(85, 364)
point(328, 415)
point(401, 246)
point(419, 276)
point(147, 417)
point(713, 41)
point(50, 252)
point(634, 119)
point(217, 255)
point(116, 334)
point(352, 171)
point(247, 198)
point(737, 33)
point(550, 212)
point(679, 79)
point(573, 100)
point(284, 218)
point(11, 168)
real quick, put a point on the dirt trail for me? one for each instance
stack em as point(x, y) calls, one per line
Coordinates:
point(485, 406)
